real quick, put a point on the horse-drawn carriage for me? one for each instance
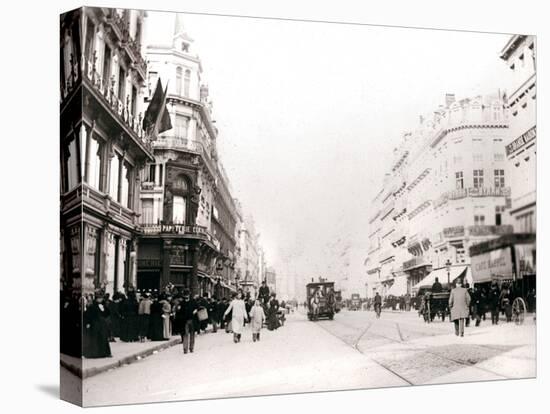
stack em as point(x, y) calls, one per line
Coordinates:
point(434, 304)
point(321, 300)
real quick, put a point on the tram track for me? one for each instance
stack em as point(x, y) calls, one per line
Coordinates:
point(403, 341)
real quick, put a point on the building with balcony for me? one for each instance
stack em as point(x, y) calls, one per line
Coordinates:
point(521, 144)
point(103, 146)
point(250, 258)
point(188, 224)
point(447, 190)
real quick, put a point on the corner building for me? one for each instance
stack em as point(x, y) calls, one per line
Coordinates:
point(103, 146)
point(185, 199)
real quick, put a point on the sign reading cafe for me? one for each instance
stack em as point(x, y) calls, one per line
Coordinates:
point(491, 265)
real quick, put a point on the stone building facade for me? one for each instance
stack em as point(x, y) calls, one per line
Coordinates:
point(103, 146)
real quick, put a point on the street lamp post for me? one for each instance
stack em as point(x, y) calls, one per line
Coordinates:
point(448, 266)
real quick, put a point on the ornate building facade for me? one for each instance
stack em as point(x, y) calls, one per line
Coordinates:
point(103, 146)
point(447, 190)
point(187, 212)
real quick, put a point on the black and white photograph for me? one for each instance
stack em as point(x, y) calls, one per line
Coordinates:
point(255, 206)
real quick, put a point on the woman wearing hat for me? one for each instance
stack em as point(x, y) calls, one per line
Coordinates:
point(96, 331)
point(238, 315)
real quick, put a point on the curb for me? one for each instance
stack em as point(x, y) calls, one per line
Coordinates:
point(90, 372)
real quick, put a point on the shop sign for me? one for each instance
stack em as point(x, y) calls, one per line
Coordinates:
point(456, 231)
point(491, 265)
point(522, 140)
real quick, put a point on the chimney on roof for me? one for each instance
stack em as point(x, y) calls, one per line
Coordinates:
point(449, 99)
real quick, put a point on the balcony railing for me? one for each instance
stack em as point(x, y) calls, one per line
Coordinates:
point(488, 230)
point(189, 145)
point(416, 261)
point(473, 192)
point(121, 28)
point(119, 109)
point(106, 204)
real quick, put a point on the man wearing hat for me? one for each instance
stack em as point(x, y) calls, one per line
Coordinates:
point(459, 303)
point(144, 312)
point(263, 293)
point(185, 315)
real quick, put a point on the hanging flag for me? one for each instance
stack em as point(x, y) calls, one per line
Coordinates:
point(157, 119)
point(163, 121)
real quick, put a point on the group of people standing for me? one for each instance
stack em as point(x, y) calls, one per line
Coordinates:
point(90, 323)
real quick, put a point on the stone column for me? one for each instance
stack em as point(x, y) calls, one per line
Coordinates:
point(157, 175)
point(89, 135)
point(120, 164)
point(195, 251)
point(166, 253)
point(132, 271)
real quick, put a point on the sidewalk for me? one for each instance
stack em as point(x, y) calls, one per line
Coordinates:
point(124, 353)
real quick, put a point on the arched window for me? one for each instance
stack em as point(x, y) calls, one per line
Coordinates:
point(179, 73)
point(180, 189)
point(187, 82)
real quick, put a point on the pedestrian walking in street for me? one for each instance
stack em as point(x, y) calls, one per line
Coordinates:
point(506, 303)
point(184, 321)
point(130, 323)
point(459, 303)
point(155, 321)
point(476, 305)
point(273, 309)
point(494, 302)
point(213, 314)
point(144, 312)
point(166, 316)
point(238, 315)
point(96, 334)
point(257, 318)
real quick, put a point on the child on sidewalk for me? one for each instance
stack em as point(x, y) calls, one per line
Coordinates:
point(257, 318)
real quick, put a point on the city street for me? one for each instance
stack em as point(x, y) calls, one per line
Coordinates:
point(355, 350)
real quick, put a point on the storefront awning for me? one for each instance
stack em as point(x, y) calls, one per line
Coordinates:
point(441, 274)
point(399, 286)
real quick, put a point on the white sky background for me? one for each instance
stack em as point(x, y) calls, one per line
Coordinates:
point(309, 113)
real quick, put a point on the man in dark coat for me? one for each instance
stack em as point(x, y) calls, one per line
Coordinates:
point(437, 287)
point(263, 293)
point(184, 320)
point(213, 314)
point(494, 305)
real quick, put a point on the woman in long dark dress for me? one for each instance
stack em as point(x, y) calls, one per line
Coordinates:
point(97, 330)
point(272, 320)
point(156, 328)
point(130, 322)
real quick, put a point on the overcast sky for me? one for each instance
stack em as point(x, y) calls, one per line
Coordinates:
point(309, 113)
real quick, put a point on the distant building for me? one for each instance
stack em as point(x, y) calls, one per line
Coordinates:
point(521, 143)
point(271, 278)
point(187, 214)
point(447, 190)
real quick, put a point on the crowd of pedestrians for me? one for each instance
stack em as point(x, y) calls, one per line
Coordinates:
point(89, 324)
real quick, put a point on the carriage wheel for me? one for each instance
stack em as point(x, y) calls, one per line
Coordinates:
point(518, 310)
